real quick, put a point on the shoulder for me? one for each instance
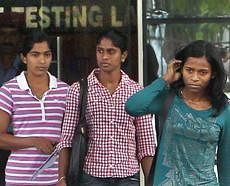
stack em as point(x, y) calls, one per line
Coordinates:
point(57, 84)
point(74, 88)
point(62, 84)
point(11, 84)
point(224, 116)
point(130, 83)
point(226, 110)
point(7, 92)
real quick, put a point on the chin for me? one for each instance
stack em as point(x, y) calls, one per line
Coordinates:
point(195, 90)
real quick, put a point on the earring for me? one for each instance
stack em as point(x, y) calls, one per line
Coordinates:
point(123, 60)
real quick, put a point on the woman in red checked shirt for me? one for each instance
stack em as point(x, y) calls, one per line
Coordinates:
point(118, 142)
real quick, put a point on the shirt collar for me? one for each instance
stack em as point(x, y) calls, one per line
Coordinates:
point(22, 82)
point(93, 79)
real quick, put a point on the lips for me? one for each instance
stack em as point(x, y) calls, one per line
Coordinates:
point(104, 64)
point(43, 68)
point(194, 85)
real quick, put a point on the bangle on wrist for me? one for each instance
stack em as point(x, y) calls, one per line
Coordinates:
point(62, 178)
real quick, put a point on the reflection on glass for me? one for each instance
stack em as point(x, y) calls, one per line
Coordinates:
point(172, 24)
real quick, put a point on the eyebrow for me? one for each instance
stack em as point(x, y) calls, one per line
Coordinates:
point(193, 68)
point(34, 51)
point(111, 48)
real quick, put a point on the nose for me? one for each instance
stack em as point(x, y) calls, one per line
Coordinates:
point(105, 55)
point(195, 76)
point(42, 59)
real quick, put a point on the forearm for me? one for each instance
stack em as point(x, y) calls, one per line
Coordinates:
point(10, 142)
point(147, 100)
point(146, 164)
point(64, 156)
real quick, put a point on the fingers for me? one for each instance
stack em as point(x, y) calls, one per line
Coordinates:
point(173, 72)
point(45, 145)
point(46, 148)
point(175, 61)
point(175, 64)
point(54, 143)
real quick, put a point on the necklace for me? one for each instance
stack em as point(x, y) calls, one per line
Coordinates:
point(196, 104)
point(37, 89)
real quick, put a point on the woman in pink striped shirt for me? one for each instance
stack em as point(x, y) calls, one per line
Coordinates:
point(33, 103)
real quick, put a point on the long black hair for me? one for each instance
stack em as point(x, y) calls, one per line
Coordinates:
point(34, 36)
point(215, 88)
point(118, 38)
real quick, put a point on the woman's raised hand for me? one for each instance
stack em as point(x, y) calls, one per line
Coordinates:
point(173, 72)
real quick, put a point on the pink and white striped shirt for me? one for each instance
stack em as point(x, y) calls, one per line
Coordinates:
point(32, 117)
point(117, 141)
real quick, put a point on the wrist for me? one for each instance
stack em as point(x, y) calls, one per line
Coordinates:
point(167, 83)
point(167, 79)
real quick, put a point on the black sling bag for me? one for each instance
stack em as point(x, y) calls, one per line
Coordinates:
point(80, 140)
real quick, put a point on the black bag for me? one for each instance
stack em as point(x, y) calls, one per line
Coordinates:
point(80, 140)
point(159, 124)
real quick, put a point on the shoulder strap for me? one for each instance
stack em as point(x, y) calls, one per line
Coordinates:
point(83, 98)
point(159, 127)
point(164, 112)
point(82, 106)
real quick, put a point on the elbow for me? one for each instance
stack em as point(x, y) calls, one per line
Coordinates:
point(131, 109)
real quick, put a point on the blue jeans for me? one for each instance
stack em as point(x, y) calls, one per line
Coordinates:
point(88, 180)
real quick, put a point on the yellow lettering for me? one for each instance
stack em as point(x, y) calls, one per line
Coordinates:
point(31, 17)
point(67, 16)
point(114, 21)
point(45, 19)
point(95, 16)
point(57, 10)
point(80, 17)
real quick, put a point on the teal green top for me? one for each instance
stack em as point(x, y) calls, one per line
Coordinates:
point(189, 139)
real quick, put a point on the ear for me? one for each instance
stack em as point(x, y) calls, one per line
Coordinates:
point(124, 56)
point(23, 58)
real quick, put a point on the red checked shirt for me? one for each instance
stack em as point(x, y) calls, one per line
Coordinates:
point(117, 141)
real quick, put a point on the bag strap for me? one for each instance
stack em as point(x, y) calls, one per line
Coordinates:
point(159, 127)
point(82, 106)
point(164, 113)
point(83, 98)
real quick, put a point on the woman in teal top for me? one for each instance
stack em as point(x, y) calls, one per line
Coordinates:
point(198, 120)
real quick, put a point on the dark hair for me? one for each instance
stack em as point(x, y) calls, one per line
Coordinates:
point(118, 38)
point(152, 64)
point(216, 86)
point(34, 36)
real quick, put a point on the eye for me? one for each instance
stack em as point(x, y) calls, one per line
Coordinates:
point(47, 54)
point(204, 72)
point(34, 54)
point(189, 70)
point(99, 50)
point(111, 51)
